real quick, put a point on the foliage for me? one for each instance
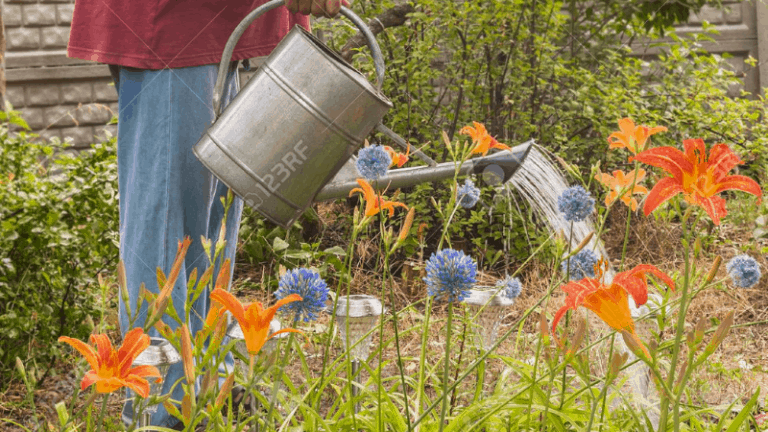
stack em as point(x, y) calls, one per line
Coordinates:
point(58, 227)
point(526, 69)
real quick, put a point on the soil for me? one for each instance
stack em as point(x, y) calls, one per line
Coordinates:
point(735, 371)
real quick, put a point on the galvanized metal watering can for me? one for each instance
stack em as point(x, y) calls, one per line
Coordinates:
point(278, 170)
point(284, 136)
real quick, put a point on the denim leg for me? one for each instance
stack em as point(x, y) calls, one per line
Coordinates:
point(166, 194)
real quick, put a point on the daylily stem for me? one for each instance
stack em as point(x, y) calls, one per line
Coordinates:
point(605, 394)
point(629, 219)
point(664, 405)
point(100, 421)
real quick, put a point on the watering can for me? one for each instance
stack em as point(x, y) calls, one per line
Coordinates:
point(278, 170)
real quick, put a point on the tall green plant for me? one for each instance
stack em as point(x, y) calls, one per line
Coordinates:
point(58, 227)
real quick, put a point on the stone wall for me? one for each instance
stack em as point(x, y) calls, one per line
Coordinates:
point(62, 97)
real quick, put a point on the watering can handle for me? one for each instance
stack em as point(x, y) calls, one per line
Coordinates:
point(378, 59)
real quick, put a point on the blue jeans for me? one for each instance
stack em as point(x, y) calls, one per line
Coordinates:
point(166, 194)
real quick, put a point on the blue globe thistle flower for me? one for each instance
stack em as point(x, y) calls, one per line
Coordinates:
point(575, 204)
point(450, 275)
point(373, 162)
point(468, 194)
point(581, 265)
point(744, 271)
point(510, 287)
point(312, 289)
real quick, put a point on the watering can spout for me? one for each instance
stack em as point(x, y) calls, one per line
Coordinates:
point(493, 169)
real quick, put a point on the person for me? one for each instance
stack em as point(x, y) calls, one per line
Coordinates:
point(163, 56)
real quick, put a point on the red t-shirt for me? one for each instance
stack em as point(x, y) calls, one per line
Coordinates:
point(172, 33)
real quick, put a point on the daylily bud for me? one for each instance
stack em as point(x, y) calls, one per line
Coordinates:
point(163, 329)
point(206, 245)
point(226, 388)
point(617, 362)
point(356, 216)
point(581, 331)
point(122, 285)
point(652, 346)
point(406, 225)
point(713, 271)
point(187, 356)
point(172, 410)
point(634, 344)
point(681, 375)
point(689, 339)
point(206, 277)
point(420, 232)
point(161, 279)
point(447, 142)
point(543, 327)
point(720, 333)
point(222, 280)
point(207, 384)
point(699, 331)
point(583, 243)
point(186, 409)
point(696, 247)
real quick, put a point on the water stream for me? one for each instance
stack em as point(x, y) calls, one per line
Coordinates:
point(540, 182)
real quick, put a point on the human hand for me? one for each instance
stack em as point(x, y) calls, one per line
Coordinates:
point(318, 8)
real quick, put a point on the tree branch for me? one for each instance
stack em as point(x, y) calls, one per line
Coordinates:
point(390, 18)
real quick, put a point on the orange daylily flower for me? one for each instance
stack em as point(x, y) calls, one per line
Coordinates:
point(253, 318)
point(698, 176)
point(623, 186)
point(632, 137)
point(483, 141)
point(398, 159)
point(610, 301)
point(373, 202)
point(111, 369)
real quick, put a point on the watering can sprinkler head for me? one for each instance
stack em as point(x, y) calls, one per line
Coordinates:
point(493, 169)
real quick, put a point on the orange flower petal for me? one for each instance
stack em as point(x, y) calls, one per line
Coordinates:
point(635, 283)
point(723, 159)
point(741, 183)
point(103, 346)
point(145, 371)
point(558, 316)
point(137, 384)
point(669, 159)
point(134, 343)
point(230, 303)
point(89, 379)
point(665, 189)
point(287, 330)
point(714, 206)
point(84, 349)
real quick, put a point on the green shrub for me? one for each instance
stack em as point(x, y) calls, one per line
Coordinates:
point(526, 70)
point(58, 230)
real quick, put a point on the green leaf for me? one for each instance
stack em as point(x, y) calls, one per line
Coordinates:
point(336, 250)
point(279, 244)
point(744, 413)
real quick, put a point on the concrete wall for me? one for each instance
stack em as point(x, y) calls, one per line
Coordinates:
point(64, 97)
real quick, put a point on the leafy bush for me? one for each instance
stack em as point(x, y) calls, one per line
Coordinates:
point(58, 230)
point(527, 70)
